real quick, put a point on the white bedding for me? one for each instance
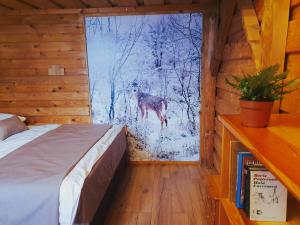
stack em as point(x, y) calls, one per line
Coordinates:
point(72, 184)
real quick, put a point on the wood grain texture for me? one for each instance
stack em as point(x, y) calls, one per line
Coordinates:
point(96, 3)
point(234, 216)
point(40, 19)
point(15, 4)
point(236, 60)
point(179, 1)
point(29, 45)
point(237, 51)
point(252, 30)
point(124, 2)
point(293, 39)
point(70, 4)
point(208, 90)
point(274, 30)
point(227, 11)
point(4, 9)
point(208, 6)
point(42, 4)
point(259, 9)
point(154, 2)
point(162, 195)
point(279, 152)
point(295, 3)
point(87, 4)
point(291, 102)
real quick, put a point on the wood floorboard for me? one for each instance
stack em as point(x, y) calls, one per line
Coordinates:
point(162, 195)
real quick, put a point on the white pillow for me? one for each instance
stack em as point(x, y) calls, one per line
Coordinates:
point(4, 116)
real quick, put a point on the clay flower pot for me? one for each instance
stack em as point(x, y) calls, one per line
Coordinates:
point(255, 114)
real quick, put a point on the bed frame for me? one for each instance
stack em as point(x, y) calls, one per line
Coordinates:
point(108, 198)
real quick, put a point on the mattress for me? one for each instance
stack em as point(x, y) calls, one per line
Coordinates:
point(72, 185)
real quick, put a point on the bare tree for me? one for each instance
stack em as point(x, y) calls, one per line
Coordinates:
point(157, 41)
point(126, 47)
point(108, 24)
point(186, 66)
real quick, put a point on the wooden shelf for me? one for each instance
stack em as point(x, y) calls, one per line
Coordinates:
point(277, 146)
point(238, 217)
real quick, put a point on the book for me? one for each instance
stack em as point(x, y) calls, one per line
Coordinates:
point(265, 196)
point(243, 159)
point(235, 147)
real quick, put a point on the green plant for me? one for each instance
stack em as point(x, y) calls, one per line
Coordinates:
point(266, 85)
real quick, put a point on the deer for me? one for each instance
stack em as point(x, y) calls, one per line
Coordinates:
point(148, 102)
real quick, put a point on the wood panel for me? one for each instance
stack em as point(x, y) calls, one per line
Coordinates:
point(179, 1)
point(15, 4)
point(72, 4)
point(291, 103)
point(124, 2)
point(227, 11)
point(29, 45)
point(293, 39)
point(208, 90)
point(154, 2)
point(237, 60)
point(252, 30)
point(4, 9)
point(237, 51)
point(53, 5)
point(96, 3)
point(207, 6)
point(42, 4)
point(42, 29)
point(259, 9)
point(274, 30)
point(263, 36)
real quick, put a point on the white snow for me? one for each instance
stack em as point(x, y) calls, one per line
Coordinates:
point(158, 54)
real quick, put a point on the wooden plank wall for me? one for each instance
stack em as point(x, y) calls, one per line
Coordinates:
point(291, 103)
point(237, 60)
point(29, 45)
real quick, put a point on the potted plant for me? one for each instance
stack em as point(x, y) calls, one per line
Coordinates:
point(258, 93)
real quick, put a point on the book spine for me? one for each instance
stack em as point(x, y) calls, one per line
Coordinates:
point(247, 193)
point(243, 159)
point(238, 199)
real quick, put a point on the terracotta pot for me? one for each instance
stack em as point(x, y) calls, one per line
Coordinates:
point(255, 114)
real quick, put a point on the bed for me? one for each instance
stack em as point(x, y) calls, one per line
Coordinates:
point(86, 190)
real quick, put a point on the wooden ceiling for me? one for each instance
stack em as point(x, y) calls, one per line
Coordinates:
point(8, 5)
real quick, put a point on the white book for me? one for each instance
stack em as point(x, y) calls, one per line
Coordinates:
point(268, 197)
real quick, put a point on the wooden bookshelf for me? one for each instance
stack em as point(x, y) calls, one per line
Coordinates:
point(238, 217)
point(277, 147)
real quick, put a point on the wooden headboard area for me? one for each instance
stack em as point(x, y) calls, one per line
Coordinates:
point(291, 103)
point(253, 34)
point(29, 46)
point(41, 39)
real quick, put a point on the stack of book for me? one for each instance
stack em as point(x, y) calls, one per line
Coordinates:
point(258, 192)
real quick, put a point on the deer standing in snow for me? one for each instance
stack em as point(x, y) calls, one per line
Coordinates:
point(148, 102)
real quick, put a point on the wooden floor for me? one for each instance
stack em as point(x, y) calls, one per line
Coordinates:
point(161, 195)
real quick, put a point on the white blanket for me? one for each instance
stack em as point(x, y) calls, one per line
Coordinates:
point(72, 184)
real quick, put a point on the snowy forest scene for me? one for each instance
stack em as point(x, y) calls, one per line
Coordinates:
point(145, 74)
